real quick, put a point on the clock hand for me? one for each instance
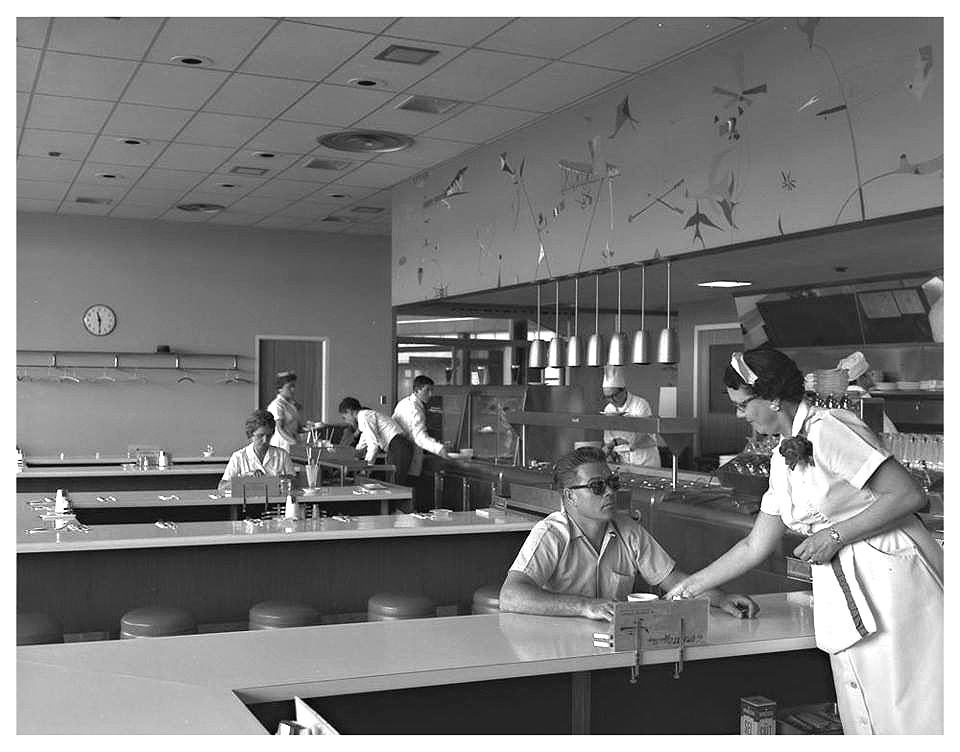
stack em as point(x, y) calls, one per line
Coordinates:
point(99, 324)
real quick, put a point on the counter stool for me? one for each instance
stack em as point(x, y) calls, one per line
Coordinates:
point(486, 600)
point(390, 606)
point(282, 614)
point(157, 621)
point(35, 628)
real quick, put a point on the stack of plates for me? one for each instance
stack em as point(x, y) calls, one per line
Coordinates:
point(884, 386)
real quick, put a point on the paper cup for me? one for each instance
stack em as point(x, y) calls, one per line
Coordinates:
point(638, 597)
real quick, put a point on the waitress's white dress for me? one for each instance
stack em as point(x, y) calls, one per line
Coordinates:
point(878, 606)
point(287, 417)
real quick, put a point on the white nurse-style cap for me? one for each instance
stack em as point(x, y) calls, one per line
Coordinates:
point(613, 377)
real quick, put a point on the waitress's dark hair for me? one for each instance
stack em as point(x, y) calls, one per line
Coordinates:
point(259, 419)
point(565, 468)
point(349, 403)
point(284, 377)
point(777, 375)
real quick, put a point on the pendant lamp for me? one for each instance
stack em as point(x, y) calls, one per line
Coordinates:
point(618, 342)
point(537, 357)
point(573, 344)
point(595, 343)
point(641, 342)
point(669, 345)
point(553, 351)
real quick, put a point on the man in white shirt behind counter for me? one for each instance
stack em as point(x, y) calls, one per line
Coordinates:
point(581, 560)
point(627, 447)
point(411, 414)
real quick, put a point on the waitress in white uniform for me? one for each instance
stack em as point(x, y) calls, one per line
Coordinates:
point(877, 572)
point(627, 447)
point(286, 412)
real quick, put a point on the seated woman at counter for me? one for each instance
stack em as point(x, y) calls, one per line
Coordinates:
point(286, 412)
point(877, 571)
point(258, 457)
point(580, 560)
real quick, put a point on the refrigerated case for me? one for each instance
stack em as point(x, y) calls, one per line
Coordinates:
point(475, 417)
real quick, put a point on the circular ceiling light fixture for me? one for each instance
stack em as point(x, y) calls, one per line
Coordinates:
point(207, 208)
point(377, 142)
point(191, 60)
point(108, 175)
point(338, 195)
point(130, 141)
point(264, 154)
point(366, 82)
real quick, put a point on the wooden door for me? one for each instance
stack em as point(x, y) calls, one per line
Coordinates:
point(721, 431)
point(305, 357)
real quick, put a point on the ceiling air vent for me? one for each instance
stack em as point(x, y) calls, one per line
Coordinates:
point(367, 209)
point(366, 141)
point(430, 105)
point(240, 170)
point(329, 164)
point(398, 53)
point(92, 200)
point(209, 208)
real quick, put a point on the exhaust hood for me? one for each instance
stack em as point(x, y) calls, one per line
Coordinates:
point(867, 313)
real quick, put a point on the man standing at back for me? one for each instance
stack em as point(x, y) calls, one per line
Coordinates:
point(411, 414)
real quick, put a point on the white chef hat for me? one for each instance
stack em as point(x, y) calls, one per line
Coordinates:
point(855, 364)
point(613, 377)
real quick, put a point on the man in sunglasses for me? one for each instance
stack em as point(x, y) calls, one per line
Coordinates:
point(582, 559)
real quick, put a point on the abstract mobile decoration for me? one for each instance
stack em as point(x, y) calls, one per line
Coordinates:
point(932, 166)
point(787, 181)
point(743, 97)
point(695, 220)
point(623, 117)
point(809, 27)
point(580, 176)
point(923, 66)
point(659, 200)
point(537, 219)
point(454, 188)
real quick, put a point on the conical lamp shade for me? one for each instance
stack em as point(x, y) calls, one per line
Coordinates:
point(573, 351)
point(668, 346)
point(555, 352)
point(595, 350)
point(617, 352)
point(538, 357)
point(641, 347)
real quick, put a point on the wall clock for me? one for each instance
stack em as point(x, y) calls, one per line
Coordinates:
point(99, 319)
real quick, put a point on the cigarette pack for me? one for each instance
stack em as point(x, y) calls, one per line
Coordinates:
point(758, 715)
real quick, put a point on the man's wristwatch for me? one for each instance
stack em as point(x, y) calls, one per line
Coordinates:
point(835, 534)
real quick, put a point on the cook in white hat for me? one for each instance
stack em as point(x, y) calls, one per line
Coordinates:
point(627, 447)
point(861, 379)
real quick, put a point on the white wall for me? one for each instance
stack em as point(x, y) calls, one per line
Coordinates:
point(197, 289)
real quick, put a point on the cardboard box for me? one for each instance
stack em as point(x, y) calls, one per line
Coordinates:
point(659, 623)
point(758, 715)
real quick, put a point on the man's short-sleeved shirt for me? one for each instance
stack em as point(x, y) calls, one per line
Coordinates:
point(560, 558)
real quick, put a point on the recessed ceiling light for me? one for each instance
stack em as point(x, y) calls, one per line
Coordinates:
point(108, 175)
point(54, 153)
point(228, 185)
point(723, 283)
point(398, 53)
point(430, 105)
point(92, 200)
point(264, 154)
point(367, 209)
point(335, 219)
point(338, 195)
point(208, 208)
point(191, 60)
point(367, 82)
point(131, 141)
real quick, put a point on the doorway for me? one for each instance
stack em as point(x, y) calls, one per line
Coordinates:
point(721, 432)
point(306, 357)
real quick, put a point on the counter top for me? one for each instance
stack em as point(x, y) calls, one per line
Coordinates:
point(40, 461)
point(198, 683)
point(112, 471)
point(217, 533)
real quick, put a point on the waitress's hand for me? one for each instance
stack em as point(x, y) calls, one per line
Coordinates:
point(686, 588)
point(819, 548)
point(741, 606)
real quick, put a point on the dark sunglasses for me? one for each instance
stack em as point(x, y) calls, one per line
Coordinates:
point(597, 485)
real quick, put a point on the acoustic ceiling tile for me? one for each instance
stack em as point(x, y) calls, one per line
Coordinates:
point(83, 76)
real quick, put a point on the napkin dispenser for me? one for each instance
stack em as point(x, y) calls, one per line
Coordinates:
point(256, 487)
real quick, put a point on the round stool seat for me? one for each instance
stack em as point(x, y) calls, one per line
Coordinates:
point(486, 600)
point(282, 614)
point(37, 629)
point(157, 621)
point(388, 606)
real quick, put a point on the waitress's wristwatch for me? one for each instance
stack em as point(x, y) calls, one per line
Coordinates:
point(834, 533)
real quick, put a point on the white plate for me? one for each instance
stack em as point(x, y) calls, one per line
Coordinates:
point(884, 386)
point(454, 455)
point(908, 385)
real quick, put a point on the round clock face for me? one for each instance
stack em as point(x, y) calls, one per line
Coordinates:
point(99, 319)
